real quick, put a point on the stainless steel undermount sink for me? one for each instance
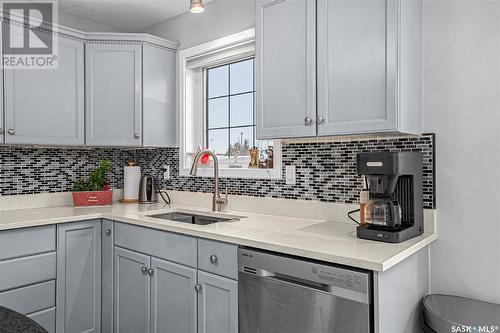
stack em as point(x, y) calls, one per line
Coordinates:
point(193, 218)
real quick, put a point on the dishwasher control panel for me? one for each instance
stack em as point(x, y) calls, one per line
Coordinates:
point(289, 268)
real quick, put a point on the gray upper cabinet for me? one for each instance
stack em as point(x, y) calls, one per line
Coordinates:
point(47, 106)
point(159, 116)
point(285, 68)
point(132, 292)
point(357, 66)
point(173, 297)
point(369, 66)
point(217, 304)
point(79, 277)
point(113, 94)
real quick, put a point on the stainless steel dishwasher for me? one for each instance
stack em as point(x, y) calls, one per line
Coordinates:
point(281, 294)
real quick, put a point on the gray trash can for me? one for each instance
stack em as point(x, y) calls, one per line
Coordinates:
point(445, 314)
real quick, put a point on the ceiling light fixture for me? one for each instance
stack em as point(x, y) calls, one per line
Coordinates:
point(196, 6)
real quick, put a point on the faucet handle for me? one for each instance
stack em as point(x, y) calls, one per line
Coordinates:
point(222, 202)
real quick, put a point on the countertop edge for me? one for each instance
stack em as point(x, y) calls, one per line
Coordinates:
point(300, 252)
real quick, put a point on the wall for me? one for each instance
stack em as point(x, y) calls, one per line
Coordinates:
point(220, 18)
point(462, 106)
point(79, 23)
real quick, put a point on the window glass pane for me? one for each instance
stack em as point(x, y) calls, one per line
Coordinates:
point(217, 141)
point(242, 77)
point(218, 81)
point(242, 110)
point(218, 112)
point(241, 141)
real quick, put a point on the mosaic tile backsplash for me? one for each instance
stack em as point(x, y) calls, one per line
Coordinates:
point(326, 171)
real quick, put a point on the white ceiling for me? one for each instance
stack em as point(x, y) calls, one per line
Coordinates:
point(125, 15)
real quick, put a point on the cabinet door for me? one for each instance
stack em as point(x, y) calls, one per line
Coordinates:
point(46, 106)
point(159, 117)
point(217, 304)
point(132, 289)
point(356, 66)
point(173, 297)
point(108, 237)
point(79, 277)
point(113, 94)
point(285, 68)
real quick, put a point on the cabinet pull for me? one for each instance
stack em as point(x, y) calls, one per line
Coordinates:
point(213, 259)
point(197, 287)
point(308, 121)
point(108, 232)
point(11, 131)
point(1, 130)
point(144, 269)
point(137, 136)
point(319, 120)
point(151, 271)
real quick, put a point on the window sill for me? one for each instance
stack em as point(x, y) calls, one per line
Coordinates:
point(237, 173)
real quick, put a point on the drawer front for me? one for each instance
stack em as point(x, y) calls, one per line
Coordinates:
point(46, 319)
point(31, 298)
point(28, 241)
point(21, 272)
point(161, 244)
point(218, 258)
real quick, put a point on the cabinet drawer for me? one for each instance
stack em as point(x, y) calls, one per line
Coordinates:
point(31, 298)
point(164, 245)
point(28, 241)
point(218, 258)
point(28, 270)
point(45, 318)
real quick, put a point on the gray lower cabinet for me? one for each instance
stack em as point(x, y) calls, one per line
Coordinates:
point(173, 297)
point(132, 292)
point(28, 273)
point(217, 304)
point(153, 295)
point(79, 277)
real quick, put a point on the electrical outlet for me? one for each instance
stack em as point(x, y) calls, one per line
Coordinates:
point(166, 172)
point(290, 175)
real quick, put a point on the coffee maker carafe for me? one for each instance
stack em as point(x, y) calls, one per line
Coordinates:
point(394, 211)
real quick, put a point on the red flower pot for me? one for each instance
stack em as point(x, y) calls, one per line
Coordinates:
point(95, 198)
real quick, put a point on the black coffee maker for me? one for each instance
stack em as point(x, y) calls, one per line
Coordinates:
point(394, 212)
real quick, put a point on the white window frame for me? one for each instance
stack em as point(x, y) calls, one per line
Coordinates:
point(191, 102)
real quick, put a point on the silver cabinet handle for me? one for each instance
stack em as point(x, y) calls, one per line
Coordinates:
point(197, 287)
point(213, 259)
point(137, 136)
point(308, 121)
point(151, 271)
point(1, 130)
point(11, 131)
point(108, 232)
point(319, 119)
point(144, 269)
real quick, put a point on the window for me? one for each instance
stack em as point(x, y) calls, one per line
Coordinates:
point(217, 109)
point(230, 107)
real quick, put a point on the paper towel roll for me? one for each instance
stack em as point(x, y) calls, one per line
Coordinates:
point(131, 180)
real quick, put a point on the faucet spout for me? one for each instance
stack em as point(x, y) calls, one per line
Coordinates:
point(217, 203)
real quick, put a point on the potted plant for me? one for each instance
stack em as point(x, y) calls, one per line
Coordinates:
point(94, 191)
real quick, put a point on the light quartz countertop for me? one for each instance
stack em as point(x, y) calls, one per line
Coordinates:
point(328, 241)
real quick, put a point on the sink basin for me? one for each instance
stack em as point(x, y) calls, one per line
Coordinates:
point(192, 218)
